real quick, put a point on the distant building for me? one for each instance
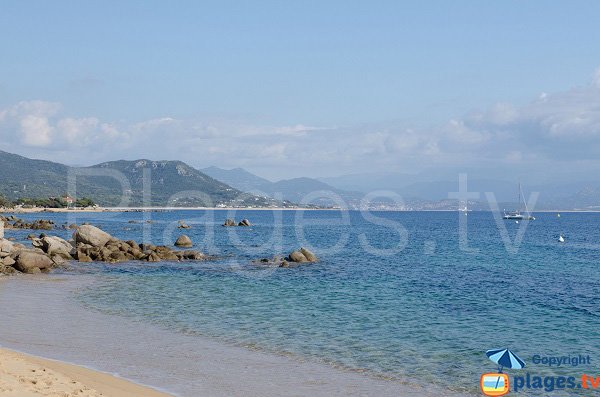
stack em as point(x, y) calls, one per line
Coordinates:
point(68, 199)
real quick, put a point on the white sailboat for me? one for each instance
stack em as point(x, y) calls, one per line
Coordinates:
point(517, 215)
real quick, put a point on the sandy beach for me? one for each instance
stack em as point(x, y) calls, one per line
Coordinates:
point(23, 375)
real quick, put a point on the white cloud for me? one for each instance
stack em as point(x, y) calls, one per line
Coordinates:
point(562, 126)
point(35, 130)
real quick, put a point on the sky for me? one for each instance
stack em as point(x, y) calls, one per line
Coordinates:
point(309, 88)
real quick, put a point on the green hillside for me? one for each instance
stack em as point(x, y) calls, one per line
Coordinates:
point(173, 183)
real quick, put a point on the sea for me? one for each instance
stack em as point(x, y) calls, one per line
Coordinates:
point(415, 298)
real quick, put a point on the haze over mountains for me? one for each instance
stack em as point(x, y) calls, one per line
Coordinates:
point(416, 191)
point(174, 183)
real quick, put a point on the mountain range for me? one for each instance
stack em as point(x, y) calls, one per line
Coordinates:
point(175, 183)
point(418, 192)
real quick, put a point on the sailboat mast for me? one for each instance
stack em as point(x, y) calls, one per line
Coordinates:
point(519, 198)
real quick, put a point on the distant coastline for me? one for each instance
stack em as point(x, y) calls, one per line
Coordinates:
point(160, 209)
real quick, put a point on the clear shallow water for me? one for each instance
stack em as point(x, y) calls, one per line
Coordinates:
point(424, 314)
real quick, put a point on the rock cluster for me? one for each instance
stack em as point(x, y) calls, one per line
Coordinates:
point(231, 222)
point(295, 258)
point(12, 222)
point(89, 244)
point(93, 244)
point(16, 257)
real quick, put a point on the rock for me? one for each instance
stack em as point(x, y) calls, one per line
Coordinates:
point(309, 255)
point(229, 222)
point(32, 262)
point(82, 257)
point(183, 241)
point(72, 226)
point(31, 236)
point(118, 256)
point(297, 256)
point(6, 246)
point(153, 257)
point(7, 261)
point(53, 245)
point(183, 225)
point(244, 222)
point(91, 235)
point(58, 260)
point(193, 255)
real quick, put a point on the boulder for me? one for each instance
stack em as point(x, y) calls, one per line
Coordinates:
point(91, 235)
point(53, 245)
point(244, 222)
point(229, 222)
point(153, 257)
point(32, 261)
point(309, 255)
point(6, 246)
point(183, 241)
point(183, 225)
point(297, 256)
point(7, 261)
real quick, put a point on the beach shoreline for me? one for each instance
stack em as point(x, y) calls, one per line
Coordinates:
point(25, 375)
point(181, 364)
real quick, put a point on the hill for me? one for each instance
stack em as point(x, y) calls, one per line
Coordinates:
point(293, 190)
point(173, 183)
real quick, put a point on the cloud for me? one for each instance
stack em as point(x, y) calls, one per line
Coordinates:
point(559, 127)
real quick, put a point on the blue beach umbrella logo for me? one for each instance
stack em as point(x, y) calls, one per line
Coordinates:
point(505, 359)
point(498, 384)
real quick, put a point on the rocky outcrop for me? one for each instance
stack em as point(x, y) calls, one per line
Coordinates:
point(295, 258)
point(244, 222)
point(89, 244)
point(229, 222)
point(183, 241)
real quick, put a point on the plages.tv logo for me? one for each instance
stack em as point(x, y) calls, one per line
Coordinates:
point(498, 383)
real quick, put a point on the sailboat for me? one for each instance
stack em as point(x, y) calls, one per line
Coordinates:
point(517, 215)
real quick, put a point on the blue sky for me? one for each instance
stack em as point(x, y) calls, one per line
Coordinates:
point(271, 76)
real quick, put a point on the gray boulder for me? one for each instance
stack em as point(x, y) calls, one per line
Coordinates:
point(56, 246)
point(32, 261)
point(91, 235)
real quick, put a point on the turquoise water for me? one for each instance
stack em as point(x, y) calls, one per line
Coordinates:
point(425, 312)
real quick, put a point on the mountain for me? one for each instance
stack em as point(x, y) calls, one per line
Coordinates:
point(172, 183)
point(238, 178)
point(294, 190)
